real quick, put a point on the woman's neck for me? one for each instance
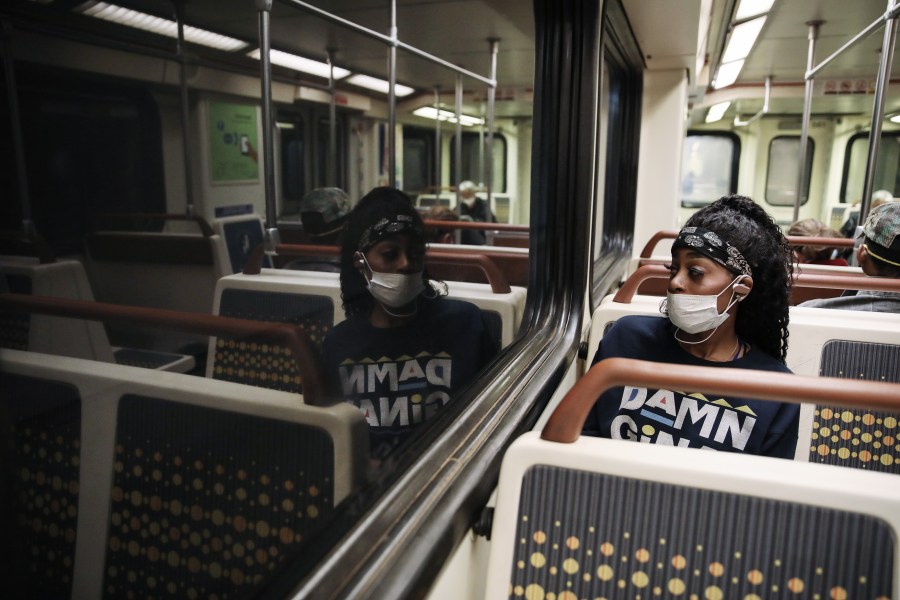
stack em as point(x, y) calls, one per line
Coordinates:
point(383, 317)
point(722, 346)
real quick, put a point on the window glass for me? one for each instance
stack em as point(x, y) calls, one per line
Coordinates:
point(887, 169)
point(293, 175)
point(708, 167)
point(472, 158)
point(322, 155)
point(418, 160)
point(782, 172)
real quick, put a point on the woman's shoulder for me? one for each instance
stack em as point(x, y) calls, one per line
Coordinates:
point(638, 324)
point(450, 307)
point(761, 361)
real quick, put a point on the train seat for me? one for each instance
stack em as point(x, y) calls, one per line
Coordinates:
point(312, 300)
point(209, 488)
point(240, 234)
point(77, 338)
point(575, 516)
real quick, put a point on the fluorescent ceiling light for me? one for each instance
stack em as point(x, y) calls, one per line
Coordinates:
point(728, 74)
point(742, 38)
point(895, 119)
point(298, 63)
point(379, 85)
point(751, 8)
point(158, 25)
point(717, 111)
point(428, 112)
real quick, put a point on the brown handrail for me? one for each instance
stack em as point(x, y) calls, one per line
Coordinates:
point(431, 224)
point(567, 420)
point(793, 240)
point(205, 229)
point(492, 273)
point(816, 280)
point(308, 361)
point(495, 277)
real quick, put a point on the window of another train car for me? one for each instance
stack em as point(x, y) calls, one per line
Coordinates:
point(709, 167)
point(293, 170)
point(418, 159)
point(472, 159)
point(887, 169)
point(783, 169)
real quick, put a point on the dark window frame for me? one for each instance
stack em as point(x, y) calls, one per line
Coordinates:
point(735, 160)
point(810, 157)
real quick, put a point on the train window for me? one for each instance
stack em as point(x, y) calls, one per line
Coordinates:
point(322, 155)
point(418, 159)
point(90, 146)
point(887, 171)
point(709, 167)
point(293, 174)
point(472, 167)
point(782, 171)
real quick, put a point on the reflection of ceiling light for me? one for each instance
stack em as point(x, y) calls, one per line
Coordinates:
point(751, 8)
point(895, 119)
point(742, 38)
point(281, 125)
point(728, 74)
point(298, 63)
point(717, 111)
point(379, 85)
point(428, 112)
point(158, 25)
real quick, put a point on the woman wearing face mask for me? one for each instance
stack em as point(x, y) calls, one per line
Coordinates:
point(727, 306)
point(404, 348)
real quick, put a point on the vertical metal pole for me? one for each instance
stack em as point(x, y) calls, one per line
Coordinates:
point(881, 86)
point(268, 155)
point(331, 167)
point(807, 109)
point(492, 97)
point(392, 99)
point(6, 45)
point(437, 140)
point(458, 147)
point(178, 6)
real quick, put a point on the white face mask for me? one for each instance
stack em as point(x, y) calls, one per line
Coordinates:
point(394, 289)
point(694, 313)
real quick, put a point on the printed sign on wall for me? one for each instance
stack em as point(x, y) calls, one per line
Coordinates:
point(232, 142)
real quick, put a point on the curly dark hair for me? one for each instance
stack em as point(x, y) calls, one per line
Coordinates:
point(380, 203)
point(762, 318)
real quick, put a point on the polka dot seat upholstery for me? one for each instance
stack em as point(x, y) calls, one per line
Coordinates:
point(856, 438)
point(181, 486)
point(608, 519)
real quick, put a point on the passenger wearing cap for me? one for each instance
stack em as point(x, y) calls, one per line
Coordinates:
point(475, 209)
point(878, 256)
point(726, 306)
point(405, 349)
point(323, 212)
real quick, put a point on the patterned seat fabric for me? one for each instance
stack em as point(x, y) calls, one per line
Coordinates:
point(861, 439)
point(591, 535)
point(268, 365)
point(41, 429)
point(205, 503)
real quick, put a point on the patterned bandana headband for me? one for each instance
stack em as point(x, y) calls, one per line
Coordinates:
point(709, 243)
point(387, 227)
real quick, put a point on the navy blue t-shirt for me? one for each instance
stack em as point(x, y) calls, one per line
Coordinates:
point(685, 417)
point(400, 377)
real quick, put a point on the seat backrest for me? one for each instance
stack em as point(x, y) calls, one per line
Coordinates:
point(41, 333)
point(587, 517)
point(240, 234)
point(178, 485)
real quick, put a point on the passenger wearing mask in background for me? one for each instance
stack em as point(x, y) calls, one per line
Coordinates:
point(878, 256)
point(323, 212)
point(439, 212)
point(727, 306)
point(404, 350)
point(816, 255)
point(848, 229)
point(477, 210)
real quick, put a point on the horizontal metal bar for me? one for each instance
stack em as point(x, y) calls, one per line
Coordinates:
point(386, 39)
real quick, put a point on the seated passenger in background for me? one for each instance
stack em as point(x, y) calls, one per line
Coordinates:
point(323, 213)
point(878, 256)
point(439, 212)
point(404, 350)
point(476, 209)
point(727, 306)
point(816, 255)
point(848, 229)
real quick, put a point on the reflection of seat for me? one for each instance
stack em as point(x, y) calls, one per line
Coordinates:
point(182, 486)
point(240, 234)
point(861, 439)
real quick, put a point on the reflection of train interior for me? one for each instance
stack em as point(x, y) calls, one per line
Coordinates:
point(166, 427)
